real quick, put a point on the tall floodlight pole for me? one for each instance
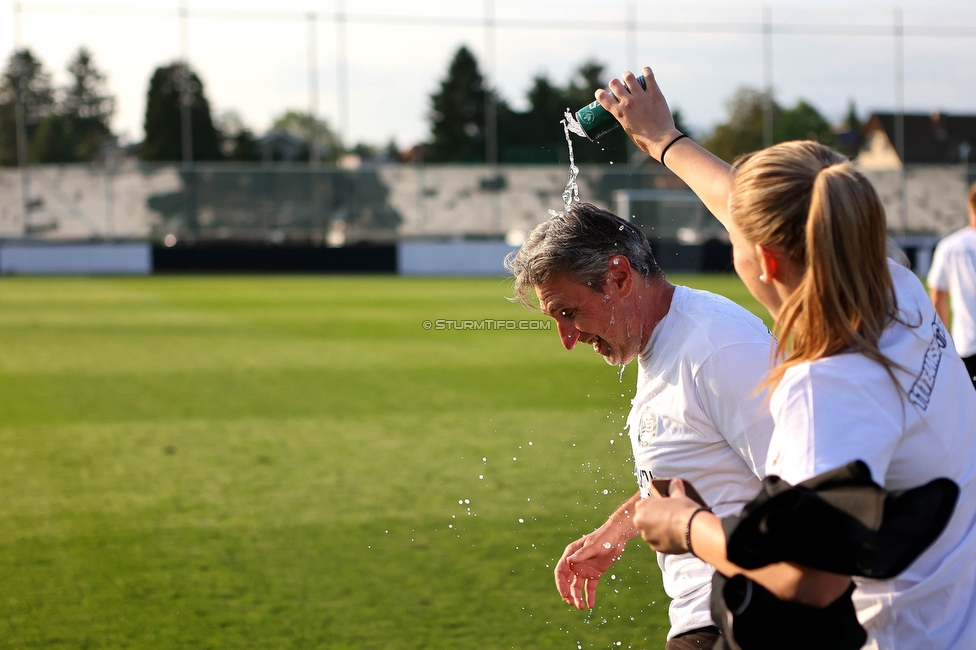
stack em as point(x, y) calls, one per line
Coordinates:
point(20, 117)
point(341, 69)
point(899, 32)
point(767, 55)
point(630, 29)
point(632, 63)
point(313, 91)
point(186, 96)
point(491, 112)
point(186, 121)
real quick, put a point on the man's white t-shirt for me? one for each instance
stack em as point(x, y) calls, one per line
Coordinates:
point(696, 416)
point(846, 407)
point(954, 271)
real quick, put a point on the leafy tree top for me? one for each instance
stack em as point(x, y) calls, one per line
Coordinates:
point(24, 76)
point(86, 97)
point(742, 132)
point(457, 114)
point(169, 87)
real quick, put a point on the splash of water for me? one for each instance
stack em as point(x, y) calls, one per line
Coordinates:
point(571, 193)
point(573, 125)
point(623, 367)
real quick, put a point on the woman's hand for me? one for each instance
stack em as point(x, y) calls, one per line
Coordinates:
point(644, 114)
point(646, 118)
point(663, 519)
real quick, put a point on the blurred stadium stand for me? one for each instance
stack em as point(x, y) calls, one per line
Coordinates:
point(268, 217)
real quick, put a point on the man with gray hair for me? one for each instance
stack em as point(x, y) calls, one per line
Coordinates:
point(696, 413)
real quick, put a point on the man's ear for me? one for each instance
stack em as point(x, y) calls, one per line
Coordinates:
point(620, 275)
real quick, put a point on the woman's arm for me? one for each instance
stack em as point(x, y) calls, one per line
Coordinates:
point(663, 523)
point(645, 116)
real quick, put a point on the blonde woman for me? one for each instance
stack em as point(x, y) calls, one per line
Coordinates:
point(867, 371)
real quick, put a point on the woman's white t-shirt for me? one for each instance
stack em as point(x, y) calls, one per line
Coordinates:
point(835, 410)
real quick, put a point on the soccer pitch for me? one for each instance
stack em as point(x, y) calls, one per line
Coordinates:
point(296, 462)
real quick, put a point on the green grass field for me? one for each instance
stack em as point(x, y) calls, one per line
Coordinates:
point(295, 462)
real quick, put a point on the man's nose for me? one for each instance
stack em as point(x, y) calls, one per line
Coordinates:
point(568, 334)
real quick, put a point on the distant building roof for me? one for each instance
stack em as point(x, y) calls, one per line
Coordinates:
point(936, 138)
point(280, 145)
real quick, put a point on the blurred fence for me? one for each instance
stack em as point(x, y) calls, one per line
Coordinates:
point(329, 206)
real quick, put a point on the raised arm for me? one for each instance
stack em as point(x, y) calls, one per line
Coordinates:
point(645, 116)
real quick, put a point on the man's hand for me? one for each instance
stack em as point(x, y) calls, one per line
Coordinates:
point(579, 569)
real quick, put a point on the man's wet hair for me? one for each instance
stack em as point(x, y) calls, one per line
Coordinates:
point(579, 242)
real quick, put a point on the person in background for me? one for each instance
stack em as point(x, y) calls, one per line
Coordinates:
point(696, 411)
point(952, 280)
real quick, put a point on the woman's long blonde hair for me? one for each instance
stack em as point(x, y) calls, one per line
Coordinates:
point(809, 202)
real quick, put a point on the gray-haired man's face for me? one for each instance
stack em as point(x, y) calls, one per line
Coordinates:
point(594, 317)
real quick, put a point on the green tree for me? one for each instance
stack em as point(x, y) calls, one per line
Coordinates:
point(237, 142)
point(78, 128)
point(803, 122)
point(23, 80)
point(305, 126)
point(163, 116)
point(537, 134)
point(743, 132)
point(88, 106)
point(457, 115)
point(850, 138)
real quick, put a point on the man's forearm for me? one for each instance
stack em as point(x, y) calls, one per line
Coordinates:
point(941, 301)
point(620, 522)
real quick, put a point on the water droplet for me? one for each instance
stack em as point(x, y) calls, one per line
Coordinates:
point(467, 501)
point(481, 476)
point(621, 228)
point(530, 443)
point(607, 545)
point(521, 521)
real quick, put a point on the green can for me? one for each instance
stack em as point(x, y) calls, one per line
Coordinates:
point(596, 121)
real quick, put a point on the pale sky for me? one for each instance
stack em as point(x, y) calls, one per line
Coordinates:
point(255, 61)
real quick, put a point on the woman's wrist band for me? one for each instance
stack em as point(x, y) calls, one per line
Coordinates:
point(668, 146)
point(688, 527)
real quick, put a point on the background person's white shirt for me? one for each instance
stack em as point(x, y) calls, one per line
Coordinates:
point(695, 416)
point(953, 270)
point(846, 407)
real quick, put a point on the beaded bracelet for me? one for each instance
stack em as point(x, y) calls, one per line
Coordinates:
point(688, 527)
point(668, 146)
